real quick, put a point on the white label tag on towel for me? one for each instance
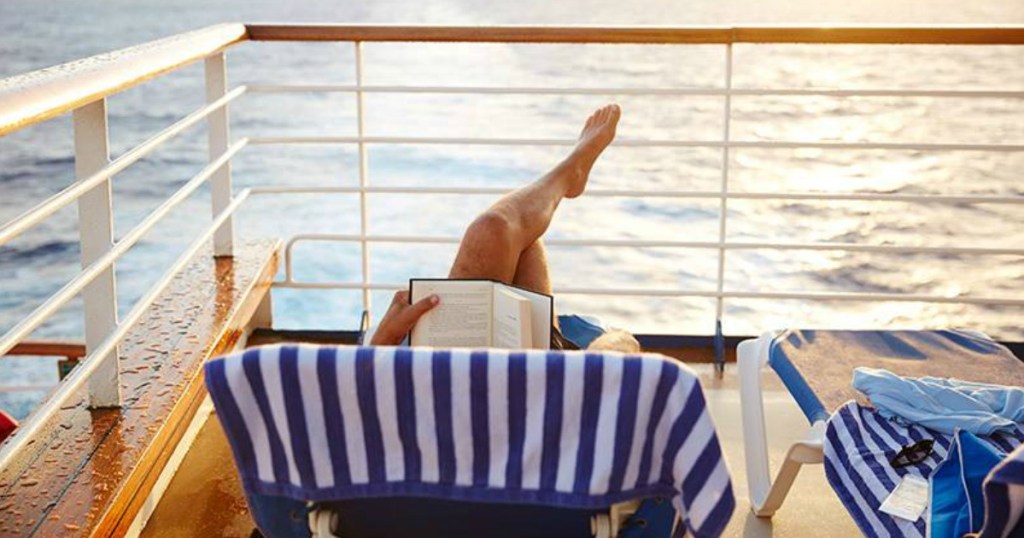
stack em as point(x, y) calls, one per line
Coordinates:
point(908, 500)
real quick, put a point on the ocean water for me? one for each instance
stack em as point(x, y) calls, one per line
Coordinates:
point(37, 162)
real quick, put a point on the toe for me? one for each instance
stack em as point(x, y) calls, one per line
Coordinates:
point(614, 114)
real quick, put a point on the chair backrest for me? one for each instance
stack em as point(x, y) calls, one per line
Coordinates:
point(816, 366)
point(565, 429)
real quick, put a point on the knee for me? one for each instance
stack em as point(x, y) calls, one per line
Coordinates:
point(487, 249)
point(491, 226)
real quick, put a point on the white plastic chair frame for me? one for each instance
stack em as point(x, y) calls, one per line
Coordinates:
point(766, 496)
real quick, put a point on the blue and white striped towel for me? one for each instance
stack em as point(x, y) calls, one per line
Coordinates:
point(1004, 498)
point(574, 429)
point(860, 443)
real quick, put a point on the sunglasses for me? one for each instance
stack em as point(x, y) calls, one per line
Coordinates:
point(913, 454)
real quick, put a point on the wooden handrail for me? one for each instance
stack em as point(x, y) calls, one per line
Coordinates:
point(893, 35)
point(884, 35)
point(40, 95)
point(71, 350)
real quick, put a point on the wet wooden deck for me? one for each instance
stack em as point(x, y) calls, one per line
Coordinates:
point(89, 471)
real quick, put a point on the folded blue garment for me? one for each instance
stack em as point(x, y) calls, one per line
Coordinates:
point(942, 404)
point(958, 506)
point(580, 330)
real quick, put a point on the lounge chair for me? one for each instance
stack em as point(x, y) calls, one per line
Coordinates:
point(358, 441)
point(817, 367)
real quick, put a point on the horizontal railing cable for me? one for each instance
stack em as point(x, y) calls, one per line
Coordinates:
point(678, 293)
point(624, 193)
point(648, 243)
point(740, 92)
point(38, 316)
point(749, 144)
point(58, 201)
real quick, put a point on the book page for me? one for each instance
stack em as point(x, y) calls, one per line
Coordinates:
point(541, 316)
point(511, 323)
point(463, 319)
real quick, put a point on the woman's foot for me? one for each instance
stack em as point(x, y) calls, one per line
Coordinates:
point(598, 132)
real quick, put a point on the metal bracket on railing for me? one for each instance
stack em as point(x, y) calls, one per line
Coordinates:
point(719, 344)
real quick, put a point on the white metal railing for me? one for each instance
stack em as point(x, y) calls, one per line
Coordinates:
point(104, 331)
point(722, 245)
point(83, 91)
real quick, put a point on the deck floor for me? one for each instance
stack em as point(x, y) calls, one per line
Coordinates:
point(205, 497)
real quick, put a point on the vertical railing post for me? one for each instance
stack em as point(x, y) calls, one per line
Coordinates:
point(723, 208)
point(363, 176)
point(96, 233)
point(218, 134)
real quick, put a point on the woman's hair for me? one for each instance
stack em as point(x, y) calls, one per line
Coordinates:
point(616, 340)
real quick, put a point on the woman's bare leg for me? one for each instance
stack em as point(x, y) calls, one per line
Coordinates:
point(532, 271)
point(494, 243)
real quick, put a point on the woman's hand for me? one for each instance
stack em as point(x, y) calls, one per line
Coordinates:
point(400, 318)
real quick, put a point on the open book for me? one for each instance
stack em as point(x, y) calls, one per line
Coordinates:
point(482, 313)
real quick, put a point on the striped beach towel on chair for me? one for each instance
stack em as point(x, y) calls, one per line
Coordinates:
point(573, 429)
point(859, 444)
point(1004, 498)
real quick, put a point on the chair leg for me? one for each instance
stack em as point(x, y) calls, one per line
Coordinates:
point(799, 454)
point(765, 496)
point(608, 525)
point(601, 526)
point(320, 523)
